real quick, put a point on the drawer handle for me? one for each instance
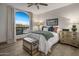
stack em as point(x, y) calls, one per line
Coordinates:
point(34, 44)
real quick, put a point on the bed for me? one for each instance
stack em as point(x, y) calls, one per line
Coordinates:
point(44, 43)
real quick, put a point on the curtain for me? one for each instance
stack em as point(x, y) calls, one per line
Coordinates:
point(31, 20)
point(10, 25)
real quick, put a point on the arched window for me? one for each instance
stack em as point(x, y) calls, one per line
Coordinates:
point(22, 22)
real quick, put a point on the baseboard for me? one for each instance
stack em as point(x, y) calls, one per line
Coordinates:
point(19, 39)
point(2, 43)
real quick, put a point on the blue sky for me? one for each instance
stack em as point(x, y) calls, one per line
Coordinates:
point(22, 18)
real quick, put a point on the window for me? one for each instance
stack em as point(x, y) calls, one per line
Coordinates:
point(22, 22)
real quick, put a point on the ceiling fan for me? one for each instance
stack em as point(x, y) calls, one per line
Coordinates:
point(36, 4)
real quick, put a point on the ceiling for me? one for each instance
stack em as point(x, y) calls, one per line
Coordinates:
point(43, 9)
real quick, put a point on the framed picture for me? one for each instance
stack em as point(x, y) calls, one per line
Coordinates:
point(52, 22)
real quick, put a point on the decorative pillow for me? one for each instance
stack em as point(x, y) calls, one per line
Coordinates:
point(45, 29)
point(50, 29)
point(56, 29)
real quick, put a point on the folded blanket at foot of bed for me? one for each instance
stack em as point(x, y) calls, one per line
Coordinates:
point(46, 34)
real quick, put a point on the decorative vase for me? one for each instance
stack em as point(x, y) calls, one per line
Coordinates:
point(74, 29)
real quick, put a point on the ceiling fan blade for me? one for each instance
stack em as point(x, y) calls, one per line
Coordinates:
point(29, 4)
point(43, 4)
point(37, 4)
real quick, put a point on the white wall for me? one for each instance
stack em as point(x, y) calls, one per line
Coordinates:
point(62, 21)
point(3, 23)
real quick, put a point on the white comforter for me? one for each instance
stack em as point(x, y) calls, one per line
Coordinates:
point(45, 45)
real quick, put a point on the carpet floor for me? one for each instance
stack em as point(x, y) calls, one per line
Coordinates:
point(16, 49)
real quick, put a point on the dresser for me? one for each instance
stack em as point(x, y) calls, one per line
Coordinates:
point(71, 38)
